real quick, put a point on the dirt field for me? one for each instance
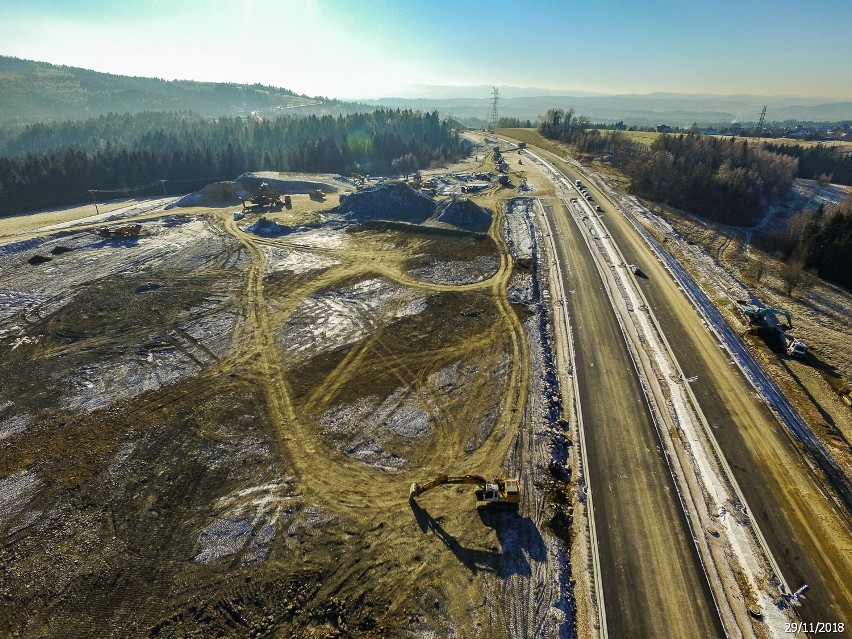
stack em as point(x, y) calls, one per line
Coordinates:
point(207, 431)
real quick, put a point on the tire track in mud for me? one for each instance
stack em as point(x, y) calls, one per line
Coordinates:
point(264, 347)
point(326, 391)
point(348, 485)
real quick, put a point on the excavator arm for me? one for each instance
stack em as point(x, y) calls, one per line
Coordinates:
point(418, 489)
point(501, 491)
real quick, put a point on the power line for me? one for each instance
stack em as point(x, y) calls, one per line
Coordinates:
point(142, 187)
point(128, 189)
point(208, 179)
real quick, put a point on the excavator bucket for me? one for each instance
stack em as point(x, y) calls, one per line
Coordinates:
point(414, 491)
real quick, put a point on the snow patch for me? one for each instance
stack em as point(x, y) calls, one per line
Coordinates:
point(329, 320)
point(247, 525)
point(13, 425)
point(295, 260)
point(16, 491)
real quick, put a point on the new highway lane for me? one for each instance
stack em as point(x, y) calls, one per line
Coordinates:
point(807, 535)
point(781, 490)
point(653, 582)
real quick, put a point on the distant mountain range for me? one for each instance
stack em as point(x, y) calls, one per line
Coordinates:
point(35, 91)
point(676, 109)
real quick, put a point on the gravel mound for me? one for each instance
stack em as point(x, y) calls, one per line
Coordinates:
point(464, 213)
point(268, 228)
point(284, 184)
point(219, 191)
point(394, 201)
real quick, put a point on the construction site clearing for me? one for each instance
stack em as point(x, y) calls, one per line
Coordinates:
point(213, 423)
point(221, 413)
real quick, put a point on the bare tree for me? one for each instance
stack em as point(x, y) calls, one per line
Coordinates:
point(794, 229)
point(758, 265)
point(405, 164)
point(792, 273)
point(808, 281)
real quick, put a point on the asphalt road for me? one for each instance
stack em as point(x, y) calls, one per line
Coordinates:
point(653, 582)
point(801, 526)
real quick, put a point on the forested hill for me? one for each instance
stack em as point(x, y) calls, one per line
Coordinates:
point(37, 91)
point(52, 164)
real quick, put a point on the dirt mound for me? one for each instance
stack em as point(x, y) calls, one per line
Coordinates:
point(190, 199)
point(219, 191)
point(268, 228)
point(394, 201)
point(289, 185)
point(464, 213)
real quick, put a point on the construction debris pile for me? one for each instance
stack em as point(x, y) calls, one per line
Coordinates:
point(394, 201)
point(464, 213)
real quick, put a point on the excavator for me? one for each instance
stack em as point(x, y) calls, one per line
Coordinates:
point(766, 316)
point(500, 492)
point(759, 315)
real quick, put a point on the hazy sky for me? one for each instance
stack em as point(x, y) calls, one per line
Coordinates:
point(369, 48)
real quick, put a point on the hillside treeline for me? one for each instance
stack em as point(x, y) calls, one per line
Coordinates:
point(722, 179)
point(579, 132)
point(54, 164)
point(815, 161)
point(826, 243)
point(39, 91)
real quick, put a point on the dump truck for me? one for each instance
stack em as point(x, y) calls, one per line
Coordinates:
point(795, 348)
point(263, 196)
point(500, 492)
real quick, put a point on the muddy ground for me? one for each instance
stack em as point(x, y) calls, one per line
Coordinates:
point(206, 432)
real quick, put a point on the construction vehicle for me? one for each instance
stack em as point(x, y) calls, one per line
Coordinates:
point(262, 196)
point(768, 317)
point(759, 315)
point(795, 348)
point(109, 233)
point(499, 492)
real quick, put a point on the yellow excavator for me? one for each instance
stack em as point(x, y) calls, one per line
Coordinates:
point(500, 492)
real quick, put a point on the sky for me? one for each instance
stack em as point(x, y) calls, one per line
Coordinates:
point(361, 49)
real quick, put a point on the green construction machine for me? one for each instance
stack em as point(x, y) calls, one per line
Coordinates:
point(759, 315)
point(768, 316)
